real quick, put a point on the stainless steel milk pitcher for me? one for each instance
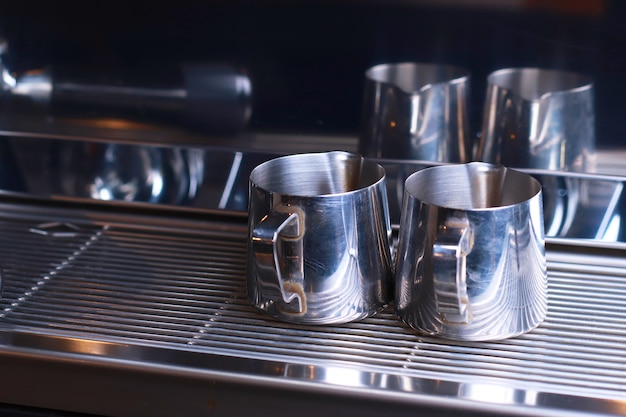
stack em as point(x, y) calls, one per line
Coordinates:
point(471, 254)
point(319, 238)
point(539, 118)
point(416, 111)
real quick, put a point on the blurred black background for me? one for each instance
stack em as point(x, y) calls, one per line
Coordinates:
point(307, 59)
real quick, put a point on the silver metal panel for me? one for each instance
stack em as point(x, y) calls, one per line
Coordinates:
point(155, 293)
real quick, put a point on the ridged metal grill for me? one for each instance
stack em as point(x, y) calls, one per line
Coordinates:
point(185, 290)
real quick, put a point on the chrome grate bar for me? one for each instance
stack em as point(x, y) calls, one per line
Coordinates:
point(186, 291)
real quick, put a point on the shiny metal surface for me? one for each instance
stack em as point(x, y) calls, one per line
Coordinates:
point(214, 179)
point(118, 172)
point(471, 253)
point(576, 206)
point(154, 310)
point(538, 118)
point(416, 111)
point(319, 238)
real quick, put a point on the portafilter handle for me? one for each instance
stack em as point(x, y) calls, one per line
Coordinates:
point(212, 97)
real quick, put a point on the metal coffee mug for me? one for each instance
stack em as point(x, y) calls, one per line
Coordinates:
point(471, 253)
point(416, 111)
point(538, 118)
point(319, 238)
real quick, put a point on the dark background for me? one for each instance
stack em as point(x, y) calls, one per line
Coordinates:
point(307, 59)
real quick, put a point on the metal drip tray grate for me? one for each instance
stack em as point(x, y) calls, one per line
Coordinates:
point(183, 289)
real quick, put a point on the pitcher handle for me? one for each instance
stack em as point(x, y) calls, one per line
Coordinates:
point(266, 235)
point(452, 244)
